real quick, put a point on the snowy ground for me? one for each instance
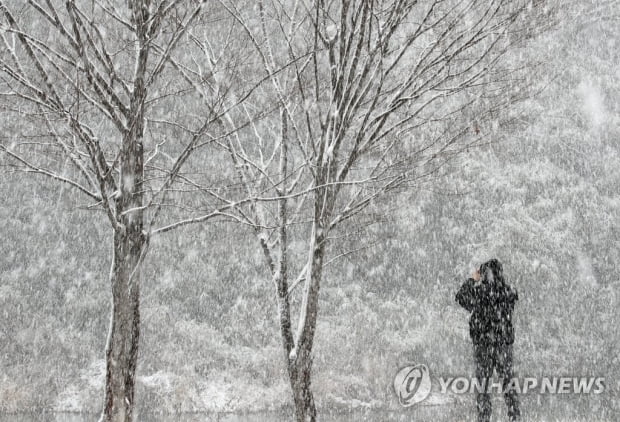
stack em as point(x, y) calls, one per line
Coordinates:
point(534, 410)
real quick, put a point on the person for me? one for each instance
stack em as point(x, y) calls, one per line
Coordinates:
point(491, 302)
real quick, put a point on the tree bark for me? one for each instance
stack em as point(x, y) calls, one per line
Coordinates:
point(124, 334)
point(130, 244)
point(125, 277)
point(300, 364)
point(305, 410)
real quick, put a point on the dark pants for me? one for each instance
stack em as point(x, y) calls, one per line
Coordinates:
point(499, 357)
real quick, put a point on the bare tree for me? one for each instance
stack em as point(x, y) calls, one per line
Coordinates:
point(93, 92)
point(378, 96)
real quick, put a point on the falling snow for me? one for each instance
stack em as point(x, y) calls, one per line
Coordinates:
point(535, 184)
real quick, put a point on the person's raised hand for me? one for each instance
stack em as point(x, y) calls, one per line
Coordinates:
point(476, 274)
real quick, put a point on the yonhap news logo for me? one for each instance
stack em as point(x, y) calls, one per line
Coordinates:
point(413, 384)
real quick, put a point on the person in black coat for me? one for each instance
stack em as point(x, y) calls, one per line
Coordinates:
point(491, 302)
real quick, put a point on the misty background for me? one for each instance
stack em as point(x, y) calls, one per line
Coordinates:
point(543, 196)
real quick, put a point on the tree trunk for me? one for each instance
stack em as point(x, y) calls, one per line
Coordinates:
point(300, 365)
point(124, 335)
point(130, 244)
point(125, 277)
point(305, 410)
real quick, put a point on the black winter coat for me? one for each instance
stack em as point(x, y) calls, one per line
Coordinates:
point(491, 304)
